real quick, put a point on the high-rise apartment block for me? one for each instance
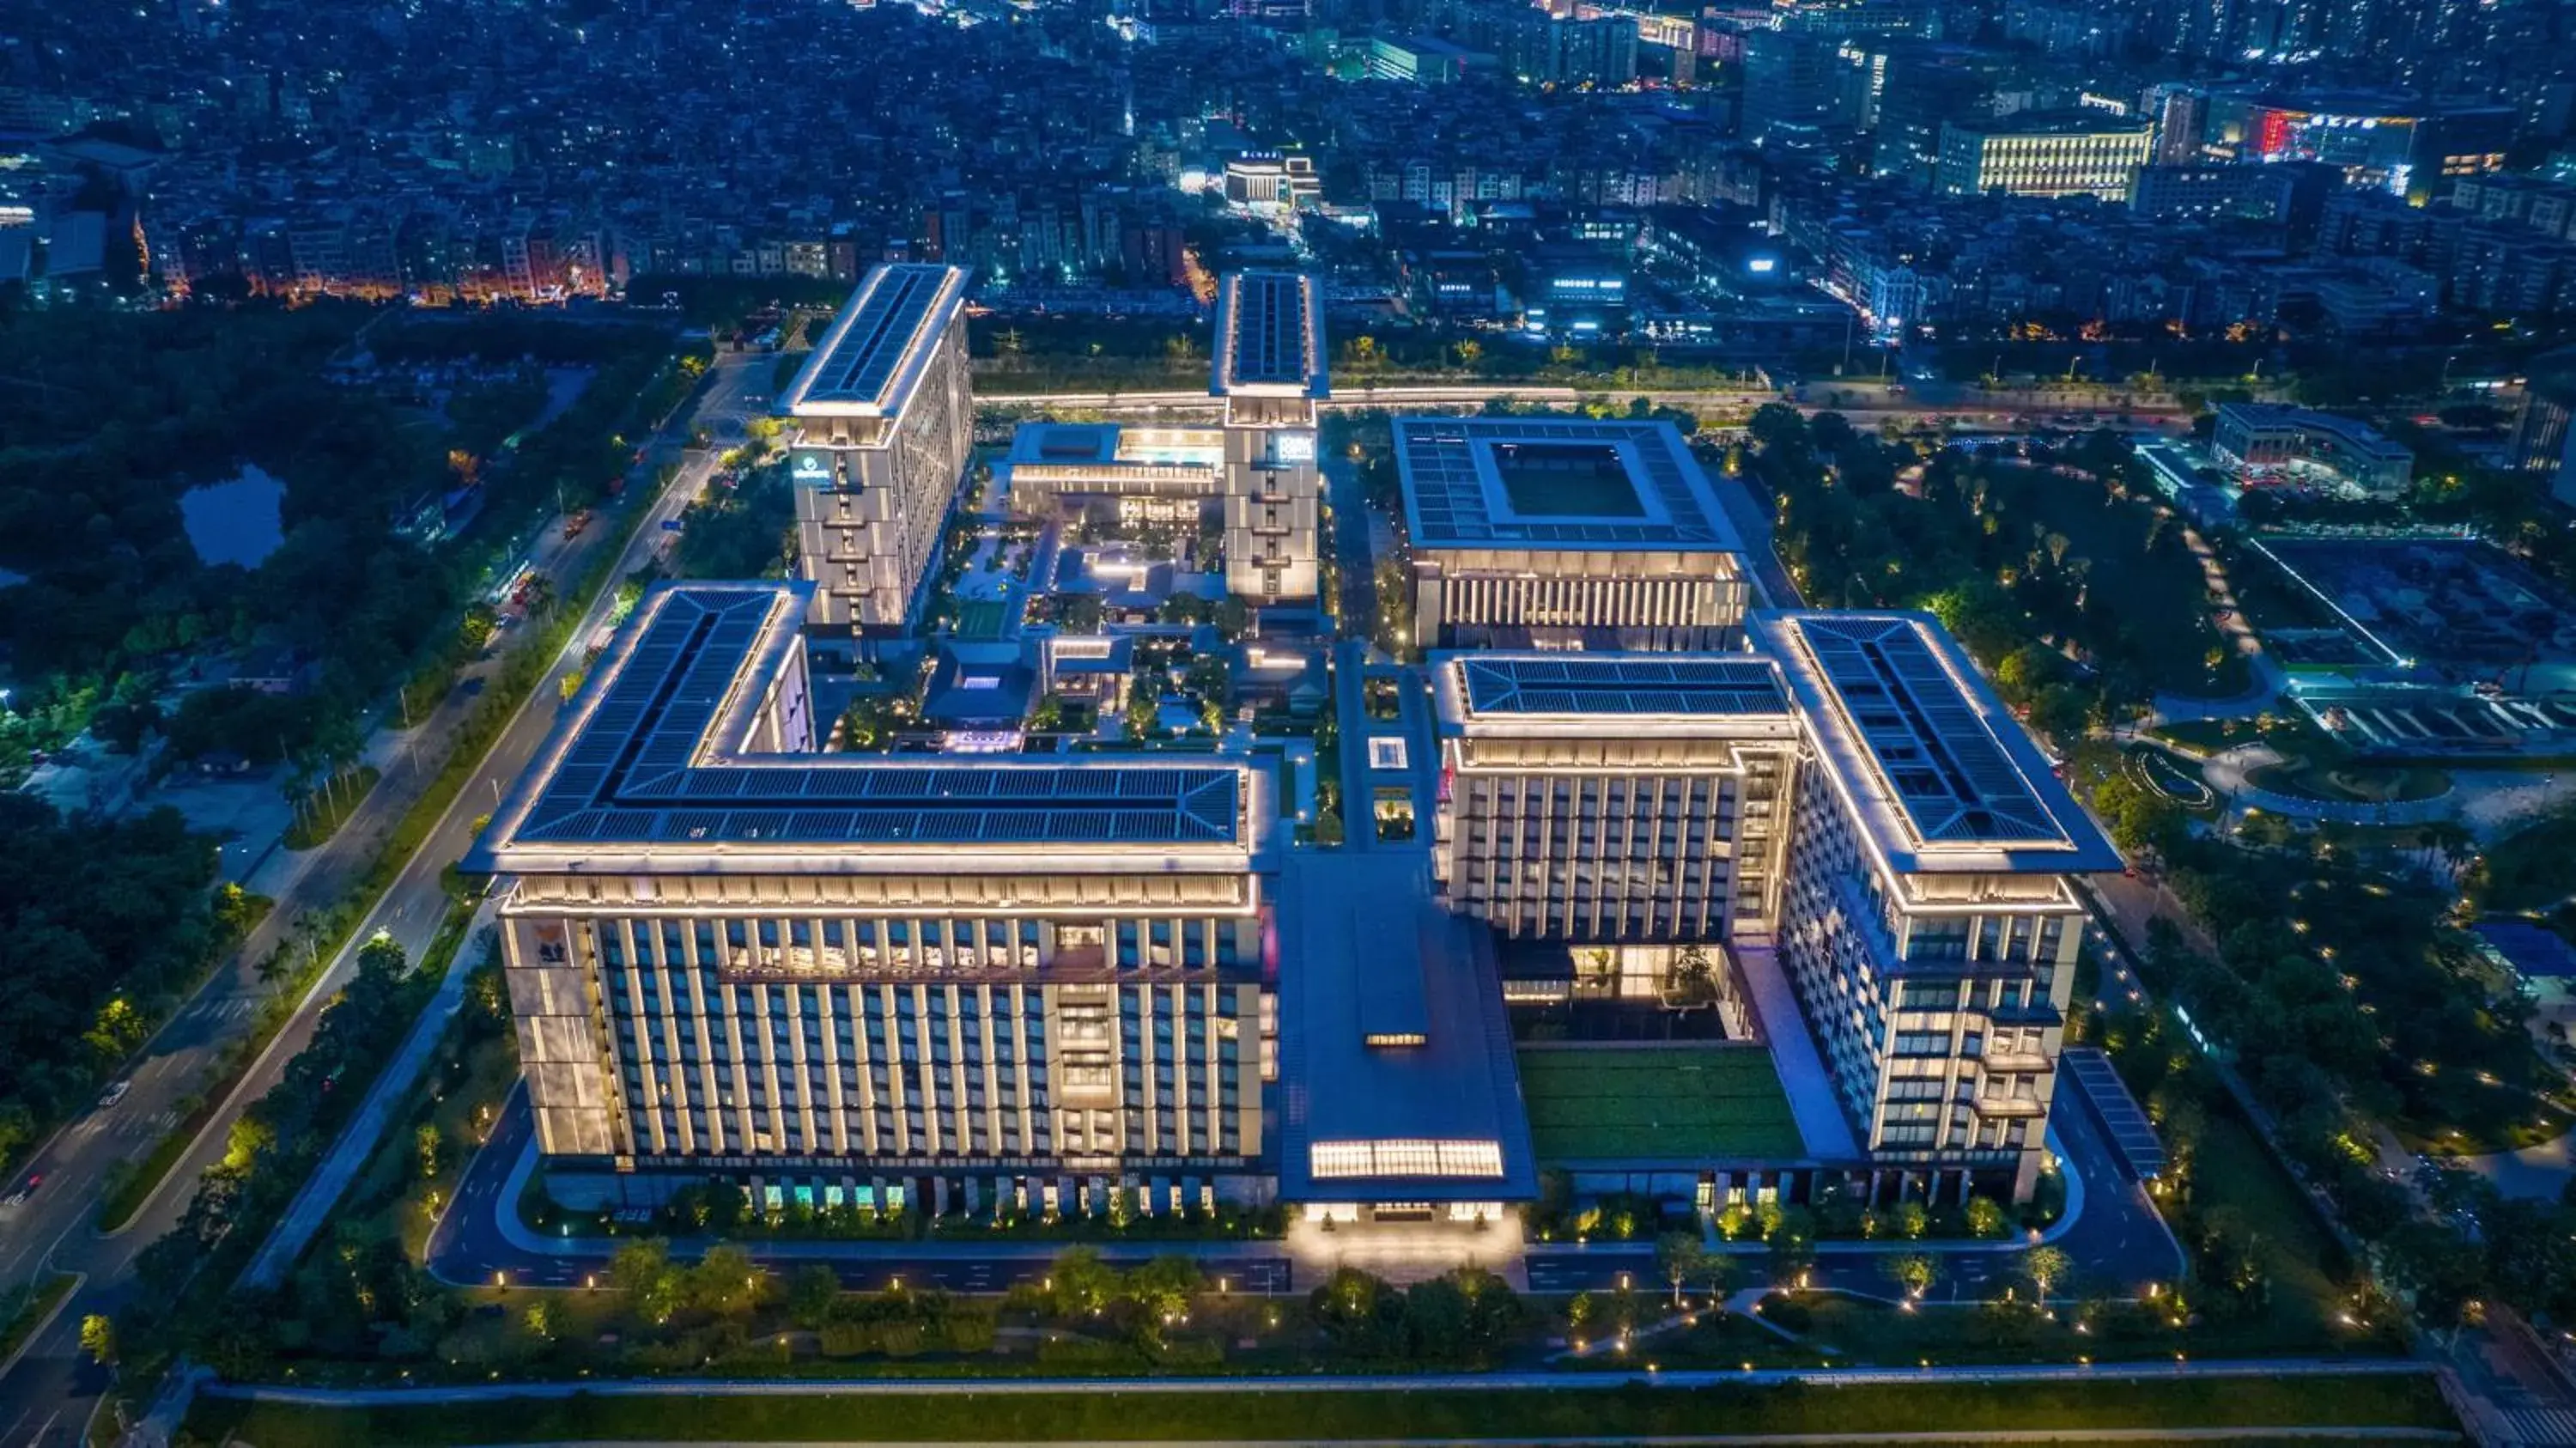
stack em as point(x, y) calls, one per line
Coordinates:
point(881, 422)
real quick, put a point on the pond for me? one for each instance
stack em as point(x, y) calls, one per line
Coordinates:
point(236, 521)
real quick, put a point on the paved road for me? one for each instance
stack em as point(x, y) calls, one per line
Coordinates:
point(52, 1387)
point(173, 1067)
point(1860, 399)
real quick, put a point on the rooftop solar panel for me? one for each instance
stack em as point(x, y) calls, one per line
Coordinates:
point(1934, 749)
point(1644, 684)
point(639, 770)
point(1269, 328)
point(863, 357)
point(1455, 495)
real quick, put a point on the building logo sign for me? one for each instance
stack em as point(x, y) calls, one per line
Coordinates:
point(812, 469)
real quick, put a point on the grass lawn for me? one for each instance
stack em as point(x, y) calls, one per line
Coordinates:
point(26, 1306)
point(1458, 1414)
point(2350, 783)
point(1700, 1102)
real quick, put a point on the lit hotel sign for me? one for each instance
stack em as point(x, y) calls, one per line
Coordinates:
point(811, 468)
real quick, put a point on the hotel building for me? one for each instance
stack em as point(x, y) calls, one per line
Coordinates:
point(1254, 474)
point(1810, 846)
point(1928, 920)
point(881, 423)
point(870, 978)
point(1270, 370)
point(1547, 533)
point(1843, 825)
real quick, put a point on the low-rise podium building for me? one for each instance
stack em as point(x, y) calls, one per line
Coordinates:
point(1560, 533)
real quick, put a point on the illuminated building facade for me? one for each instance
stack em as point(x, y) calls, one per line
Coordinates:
point(864, 979)
point(1253, 476)
point(2045, 154)
point(2254, 436)
point(881, 423)
point(1548, 533)
point(1927, 922)
point(1841, 829)
point(1270, 369)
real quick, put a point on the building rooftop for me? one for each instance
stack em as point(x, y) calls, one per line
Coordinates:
point(2079, 121)
point(1400, 1080)
point(1269, 336)
point(874, 352)
point(1620, 684)
point(1941, 776)
point(690, 748)
point(2350, 431)
point(1555, 483)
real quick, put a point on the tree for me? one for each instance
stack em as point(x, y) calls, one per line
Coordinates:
point(2441, 1270)
point(1361, 1316)
point(1079, 1282)
point(1144, 701)
point(725, 1284)
point(98, 1338)
point(248, 1139)
point(1466, 1315)
point(2045, 1266)
point(1913, 1271)
point(642, 1273)
point(1985, 1218)
point(811, 1294)
point(1678, 1256)
point(1164, 1286)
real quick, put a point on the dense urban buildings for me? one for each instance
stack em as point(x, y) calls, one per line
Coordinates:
point(883, 416)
